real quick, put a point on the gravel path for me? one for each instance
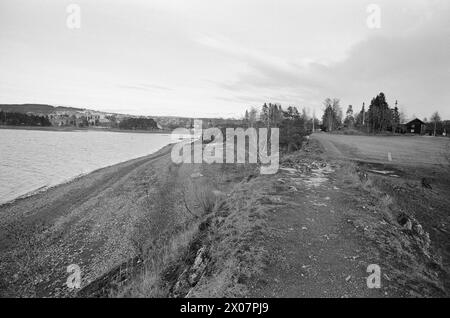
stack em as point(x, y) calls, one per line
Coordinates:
point(313, 252)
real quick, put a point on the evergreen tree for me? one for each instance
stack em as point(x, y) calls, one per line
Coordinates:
point(395, 118)
point(380, 115)
point(292, 113)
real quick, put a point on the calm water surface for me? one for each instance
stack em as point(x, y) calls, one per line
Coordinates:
point(33, 159)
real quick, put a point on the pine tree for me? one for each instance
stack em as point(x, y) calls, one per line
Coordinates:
point(380, 115)
point(395, 118)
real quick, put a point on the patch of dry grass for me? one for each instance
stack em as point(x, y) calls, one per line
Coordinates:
point(236, 253)
point(205, 198)
point(164, 251)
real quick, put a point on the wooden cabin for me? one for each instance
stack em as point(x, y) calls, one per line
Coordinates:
point(416, 126)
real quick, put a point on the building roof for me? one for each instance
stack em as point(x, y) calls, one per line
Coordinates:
point(417, 120)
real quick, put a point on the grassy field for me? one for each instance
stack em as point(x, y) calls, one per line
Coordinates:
point(405, 150)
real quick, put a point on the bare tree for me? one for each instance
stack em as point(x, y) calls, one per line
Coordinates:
point(435, 119)
point(332, 117)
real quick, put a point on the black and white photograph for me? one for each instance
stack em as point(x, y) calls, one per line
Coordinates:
point(223, 155)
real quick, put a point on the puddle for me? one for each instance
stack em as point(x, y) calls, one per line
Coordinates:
point(385, 172)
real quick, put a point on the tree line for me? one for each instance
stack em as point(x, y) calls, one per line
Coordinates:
point(379, 117)
point(293, 125)
point(20, 119)
point(138, 124)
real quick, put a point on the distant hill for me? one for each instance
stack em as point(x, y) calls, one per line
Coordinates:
point(35, 108)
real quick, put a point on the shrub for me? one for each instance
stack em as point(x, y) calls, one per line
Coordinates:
point(292, 134)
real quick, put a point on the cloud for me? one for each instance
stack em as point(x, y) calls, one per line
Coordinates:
point(264, 77)
point(289, 52)
point(411, 66)
point(145, 87)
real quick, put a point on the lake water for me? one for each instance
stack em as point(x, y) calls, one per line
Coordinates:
point(33, 159)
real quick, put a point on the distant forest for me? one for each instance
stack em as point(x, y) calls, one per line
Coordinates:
point(138, 124)
point(20, 119)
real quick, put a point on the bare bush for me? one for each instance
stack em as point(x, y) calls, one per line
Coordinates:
point(205, 198)
point(186, 205)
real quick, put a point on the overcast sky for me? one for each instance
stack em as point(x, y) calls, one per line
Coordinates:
point(217, 58)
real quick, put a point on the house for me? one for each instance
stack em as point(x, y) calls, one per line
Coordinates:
point(416, 126)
